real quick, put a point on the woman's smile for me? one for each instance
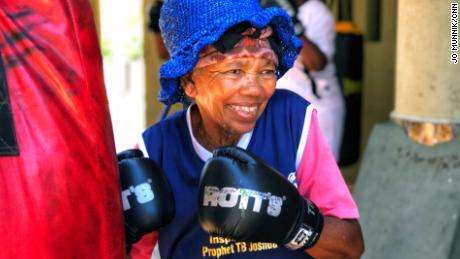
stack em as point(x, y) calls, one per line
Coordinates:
point(244, 112)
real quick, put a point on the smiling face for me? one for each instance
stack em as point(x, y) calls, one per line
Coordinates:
point(231, 90)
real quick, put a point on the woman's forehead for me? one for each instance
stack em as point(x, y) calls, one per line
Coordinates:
point(247, 47)
point(237, 56)
point(242, 61)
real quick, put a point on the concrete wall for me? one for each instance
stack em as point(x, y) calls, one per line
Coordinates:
point(408, 195)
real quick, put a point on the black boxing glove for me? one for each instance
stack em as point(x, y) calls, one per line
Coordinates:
point(291, 8)
point(242, 198)
point(147, 197)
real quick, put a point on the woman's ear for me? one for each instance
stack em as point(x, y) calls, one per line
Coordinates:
point(188, 86)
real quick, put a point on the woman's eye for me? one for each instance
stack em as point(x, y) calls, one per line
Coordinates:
point(268, 72)
point(233, 72)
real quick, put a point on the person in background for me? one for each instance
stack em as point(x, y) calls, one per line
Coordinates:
point(154, 27)
point(313, 75)
point(241, 139)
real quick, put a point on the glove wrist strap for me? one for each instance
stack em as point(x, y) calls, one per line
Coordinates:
point(311, 225)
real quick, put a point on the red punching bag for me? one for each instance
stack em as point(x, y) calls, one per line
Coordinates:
point(59, 186)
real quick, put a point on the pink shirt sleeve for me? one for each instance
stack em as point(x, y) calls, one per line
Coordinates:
point(319, 178)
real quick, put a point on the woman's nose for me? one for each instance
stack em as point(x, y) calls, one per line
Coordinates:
point(252, 84)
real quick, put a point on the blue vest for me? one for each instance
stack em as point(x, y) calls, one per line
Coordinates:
point(275, 139)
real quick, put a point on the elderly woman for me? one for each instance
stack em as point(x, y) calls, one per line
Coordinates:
point(226, 57)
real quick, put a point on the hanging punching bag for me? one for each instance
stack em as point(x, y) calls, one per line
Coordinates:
point(59, 187)
point(349, 64)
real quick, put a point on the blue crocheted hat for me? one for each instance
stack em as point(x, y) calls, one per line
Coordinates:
point(189, 25)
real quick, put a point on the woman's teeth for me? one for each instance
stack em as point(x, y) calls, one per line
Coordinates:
point(247, 109)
